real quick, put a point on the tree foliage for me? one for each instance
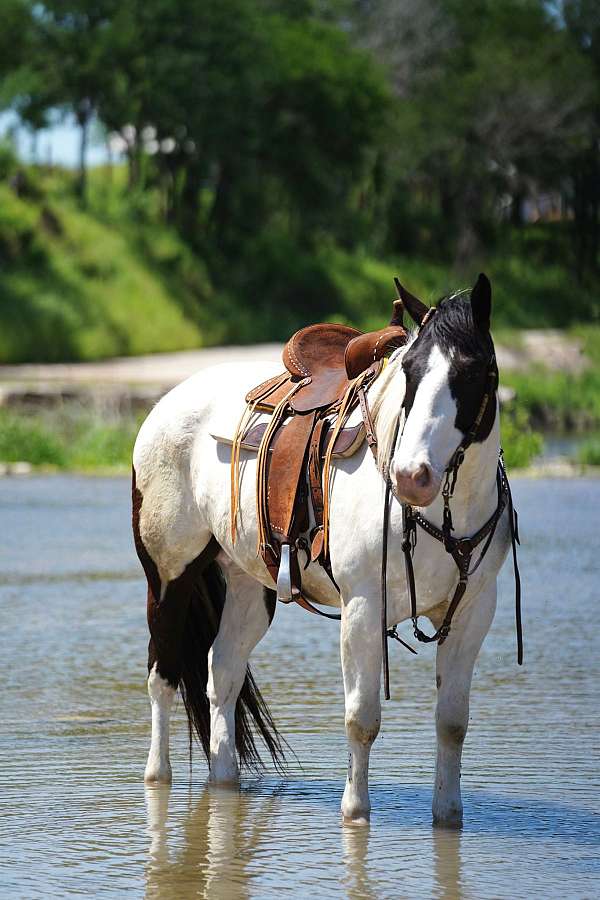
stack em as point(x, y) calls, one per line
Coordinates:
point(386, 124)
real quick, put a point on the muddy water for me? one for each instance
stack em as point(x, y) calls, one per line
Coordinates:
point(74, 726)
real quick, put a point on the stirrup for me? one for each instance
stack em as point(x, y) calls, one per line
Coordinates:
point(284, 576)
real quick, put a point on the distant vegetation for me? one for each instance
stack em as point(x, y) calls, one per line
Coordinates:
point(281, 160)
point(114, 279)
point(285, 157)
point(76, 440)
point(73, 441)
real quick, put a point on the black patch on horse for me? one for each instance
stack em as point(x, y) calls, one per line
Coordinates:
point(469, 350)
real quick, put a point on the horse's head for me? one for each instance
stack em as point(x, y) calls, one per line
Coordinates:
point(449, 368)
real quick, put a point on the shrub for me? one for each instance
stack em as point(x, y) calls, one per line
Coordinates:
point(589, 453)
point(25, 440)
point(103, 445)
point(520, 442)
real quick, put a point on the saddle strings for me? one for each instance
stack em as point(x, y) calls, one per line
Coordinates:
point(262, 463)
point(245, 418)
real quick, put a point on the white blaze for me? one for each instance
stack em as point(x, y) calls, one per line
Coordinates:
point(430, 436)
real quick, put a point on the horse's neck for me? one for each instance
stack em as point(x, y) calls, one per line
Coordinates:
point(385, 399)
point(476, 494)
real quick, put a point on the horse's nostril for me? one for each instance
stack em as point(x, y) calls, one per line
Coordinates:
point(422, 476)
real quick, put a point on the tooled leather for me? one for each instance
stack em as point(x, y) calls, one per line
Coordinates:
point(365, 349)
point(327, 357)
point(260, 388)
point(285, 469)
point(317, 347)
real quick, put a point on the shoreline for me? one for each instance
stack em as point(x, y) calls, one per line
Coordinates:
point(552, 469)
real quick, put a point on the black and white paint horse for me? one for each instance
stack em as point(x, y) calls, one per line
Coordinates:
point(207, 604)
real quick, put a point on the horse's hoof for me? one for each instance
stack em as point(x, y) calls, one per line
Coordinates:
point(452, 820)
point(158, 774)
point(224, 779)
point(359, 820)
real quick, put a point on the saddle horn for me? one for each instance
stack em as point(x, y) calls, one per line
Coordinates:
point(397, 313)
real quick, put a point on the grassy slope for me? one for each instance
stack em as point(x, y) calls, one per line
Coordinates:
point(74, 286)
point(106, 282)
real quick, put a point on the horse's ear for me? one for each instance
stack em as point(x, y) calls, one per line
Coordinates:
point(416, 310)
point(481, 303)
point(398, 313)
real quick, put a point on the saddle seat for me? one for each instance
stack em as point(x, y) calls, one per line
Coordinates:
point(328, 369)
point(326, 358)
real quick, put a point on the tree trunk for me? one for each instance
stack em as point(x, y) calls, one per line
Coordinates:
point(469, 215)
point(516, 209)
point(83, 120)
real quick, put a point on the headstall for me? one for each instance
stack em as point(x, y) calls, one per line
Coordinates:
point(461, 549)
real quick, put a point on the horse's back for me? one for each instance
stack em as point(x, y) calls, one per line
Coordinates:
point(188, 412)
point(181, 479)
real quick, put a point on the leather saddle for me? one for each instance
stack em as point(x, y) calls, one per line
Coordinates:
point(328, 370)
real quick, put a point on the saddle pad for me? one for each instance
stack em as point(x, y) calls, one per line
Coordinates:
point(349, 440)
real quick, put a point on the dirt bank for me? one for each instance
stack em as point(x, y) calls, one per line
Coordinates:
point(139, 380)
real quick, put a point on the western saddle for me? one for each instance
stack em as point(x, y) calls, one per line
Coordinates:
point(328, 371)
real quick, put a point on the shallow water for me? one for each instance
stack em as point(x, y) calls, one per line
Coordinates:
point(76, 818)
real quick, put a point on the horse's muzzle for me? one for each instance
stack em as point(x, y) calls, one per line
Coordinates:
point(417, 484)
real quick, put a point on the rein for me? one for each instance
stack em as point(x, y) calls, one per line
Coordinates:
point(461, 549)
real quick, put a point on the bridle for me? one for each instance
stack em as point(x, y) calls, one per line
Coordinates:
point(461, 549)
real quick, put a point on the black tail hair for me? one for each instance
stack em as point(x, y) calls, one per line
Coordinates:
point(204, 616)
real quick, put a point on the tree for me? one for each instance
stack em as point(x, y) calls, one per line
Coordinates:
point(582, 19)
point(490, 95)
point(69, 64)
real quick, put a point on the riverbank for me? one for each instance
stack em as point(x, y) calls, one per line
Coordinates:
point(531, 362)
point(552, 469)
point(84, 417)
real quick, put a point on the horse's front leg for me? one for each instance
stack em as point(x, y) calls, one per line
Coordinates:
point(455, 660)
point(361, 665)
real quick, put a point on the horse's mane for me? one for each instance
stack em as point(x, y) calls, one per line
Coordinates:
point(452, 328)
point(387, 403)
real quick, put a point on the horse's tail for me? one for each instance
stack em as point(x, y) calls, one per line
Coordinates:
point(204, 616)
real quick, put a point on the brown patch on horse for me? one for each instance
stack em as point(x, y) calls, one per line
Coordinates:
point(167, 616)
point(144, 557)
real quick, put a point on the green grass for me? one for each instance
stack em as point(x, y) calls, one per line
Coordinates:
point(66, 440)
point(75, 287)
point(589, 453)
point(24, 440)
point(560, 400)
point(520, 442)
point(72, 439)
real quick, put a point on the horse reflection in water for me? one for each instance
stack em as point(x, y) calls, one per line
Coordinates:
point(209, 852)
point(207, 605)
point(219, 838)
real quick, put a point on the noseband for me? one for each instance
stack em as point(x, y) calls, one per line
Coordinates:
point(461, 549)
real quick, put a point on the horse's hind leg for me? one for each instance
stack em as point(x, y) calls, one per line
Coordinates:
point(162, 694)
point(168, 618)
point(246, 617)
point(361, 664)
point(455, 660)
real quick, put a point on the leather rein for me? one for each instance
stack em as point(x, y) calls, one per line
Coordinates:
point(461, 549)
